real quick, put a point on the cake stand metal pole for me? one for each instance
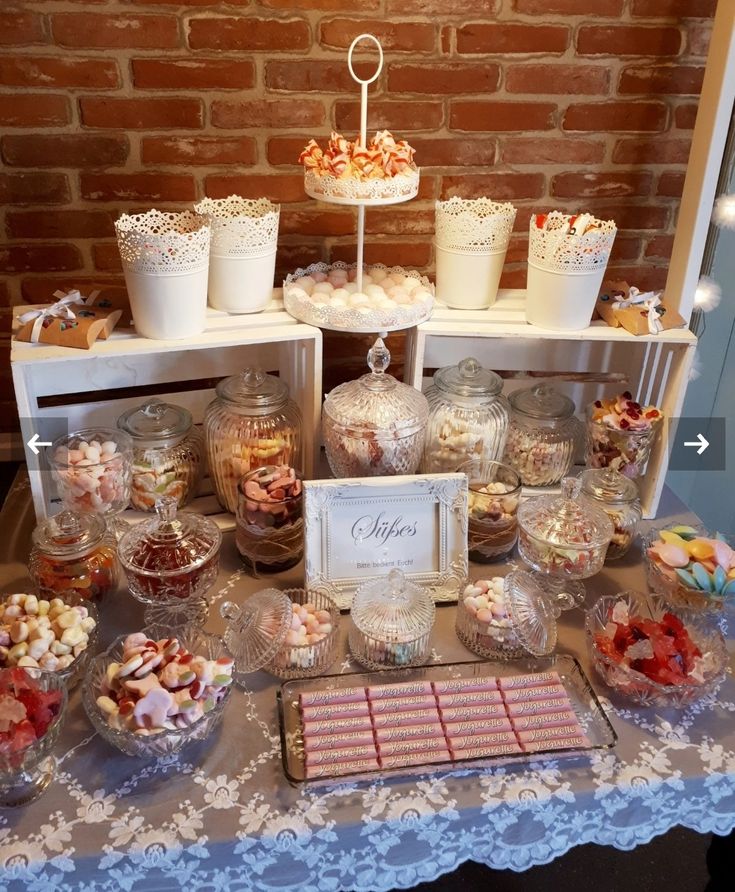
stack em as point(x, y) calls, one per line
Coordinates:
point(360, 243)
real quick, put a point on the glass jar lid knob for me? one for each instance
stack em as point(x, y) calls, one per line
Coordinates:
point(253, 378)
point(396, 584)
point(378, 357)
point(470, 367)
point(570, 487)
point(154, 409)
point(67, 524)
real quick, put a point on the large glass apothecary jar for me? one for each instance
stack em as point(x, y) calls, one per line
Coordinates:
point(619, 499)
point(542, 434)
point(374, 426)
point(251, 423)
point(168, 453)
point(468, 417)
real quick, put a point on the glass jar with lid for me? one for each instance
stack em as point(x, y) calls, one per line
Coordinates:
point(391, 622)
point(171, 562)
point(619, 499)
point(468, 417)
point(251, 423)
point(374, 426)
point(74, 554)
point(542, 435)
point(565, 539)
point(168, 453)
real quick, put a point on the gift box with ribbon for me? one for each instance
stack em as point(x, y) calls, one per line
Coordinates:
point(73, 321)
point(639, 312)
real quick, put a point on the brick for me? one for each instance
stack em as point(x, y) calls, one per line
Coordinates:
point(59, 224)
point(138, 187)
point(676, 79)
point(84, 29)
point(513, 278)
point(557, 79)
point(600, 185)
point(651, 151)
point(630, 216)
point(248, 33)
point(542, 150)
point(147, 114)
point(626, 248)
point(267, 113)
point(298, 255)
point(481, 37)
point(499, 186)
point(674, 9)
point(410, 255)
point(33, 188)
point(445, 40)
point(399, 115)
point(34, 110)
point(621, 116)
point(685, 116)
point(192, 2)
point(452, 8)
point(324, 5)
point(327, 222)
point(394, 36)
point(62, 71)
point(501, 116)
point(106, 256)
point(309, 75)
point(198, 150)
point(393, 221)
point(517, 249)
point(39, 290)
point(628, 40)
point(21, 28)
point(698, 39)
point(646, 276)
point(64, 150)
point(586, 8)
point(193, 74)
point(447, 77)
point(437, 151)
point(660, 246)
point(671, 184)
point(39, 258)
point(286, 149)
point(277, 187)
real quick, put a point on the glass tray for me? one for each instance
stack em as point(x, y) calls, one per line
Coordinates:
point(590, 713)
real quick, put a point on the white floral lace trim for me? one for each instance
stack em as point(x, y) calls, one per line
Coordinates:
point(241, 227)
point(476, 225)
point(158, 242)
point(557, 252)
point(400, 187)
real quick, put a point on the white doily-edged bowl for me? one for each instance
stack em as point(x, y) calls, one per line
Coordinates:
point(349, 190)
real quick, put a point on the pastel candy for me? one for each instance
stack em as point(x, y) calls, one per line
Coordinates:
point(672, 555)
point(533, 707)
point(335, 711)
point(482, 752)
point(521, 694)
point(463, 685)
point(472, 741)
point(339, 769)
point(462, 728)
point(328, 741)
point(141, 686)
point(337, 726)
point(348, 754)
point(339, 695)
point(407, 689)
point(399, 747)
point(410, 717)
point(151, 711)
point(459, 713)
point(410, 732)
point(532, 680)
point(406, 760)
point(471, 698)
point(560, 732)
point(573, 742)
point(543, 720)
point(401, 704)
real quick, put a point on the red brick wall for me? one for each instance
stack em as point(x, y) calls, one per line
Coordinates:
point(109, 105)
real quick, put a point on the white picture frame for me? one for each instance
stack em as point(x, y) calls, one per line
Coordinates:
point(360, 528)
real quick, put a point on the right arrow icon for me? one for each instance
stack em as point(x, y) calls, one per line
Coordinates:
point(702, 442)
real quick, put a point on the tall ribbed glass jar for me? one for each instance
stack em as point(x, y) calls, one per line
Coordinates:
point(252, 423)
point(468, 417)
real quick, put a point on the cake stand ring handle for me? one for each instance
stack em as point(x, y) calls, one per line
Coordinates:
point(380, 62)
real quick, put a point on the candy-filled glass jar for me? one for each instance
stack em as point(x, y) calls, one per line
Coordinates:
point(468, 417)
point(251, 423)
point(74, 553)
point(540, 443)
point(620, 434)
point(168, 453)
point(374, 426)
point(618, 497)
point(494, 490)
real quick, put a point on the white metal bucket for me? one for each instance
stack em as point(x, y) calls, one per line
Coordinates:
point(168, 306)
point(561, 301)
point(241, 284)
point(468, 280)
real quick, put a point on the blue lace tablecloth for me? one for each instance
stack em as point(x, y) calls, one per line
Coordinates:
point(221, 815)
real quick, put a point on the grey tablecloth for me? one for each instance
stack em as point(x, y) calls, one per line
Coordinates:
point(222, 816)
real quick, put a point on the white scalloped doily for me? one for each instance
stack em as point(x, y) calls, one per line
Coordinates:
point(158, 242)
point(241, 227)
point(554, 250)
point(475, 225)
point(328, 188)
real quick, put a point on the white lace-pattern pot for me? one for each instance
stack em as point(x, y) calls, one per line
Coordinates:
point(471, 240)
point(348, 190)
point(565, 273)
point(242, 260)
point(165, 258)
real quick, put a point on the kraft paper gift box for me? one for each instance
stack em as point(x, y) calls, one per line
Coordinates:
point(639, 313)
point(73, 321)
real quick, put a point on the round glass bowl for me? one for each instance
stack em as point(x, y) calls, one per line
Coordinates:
point(168, 453)
point(252, 423)
point(618, 498)
point(504, 619)
point(623, 450)
point(541, 439)
point(291, 633)
point(689, 569)
point(269, 532)
point(564, 539)
point(468, 417)
point(391, 622)
point(171, 562)
point(74, 554)
point(146, 743)
point(636, 685)
point(374, 426)
point(494, 491)
point(92, 470)
point(26, 764)
point(57, 636)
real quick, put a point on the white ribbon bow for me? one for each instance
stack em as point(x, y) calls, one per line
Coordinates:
point(647, 300)
point(60, 310)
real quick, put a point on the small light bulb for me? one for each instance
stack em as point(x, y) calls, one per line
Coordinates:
point(708, 294)
point(723, 212)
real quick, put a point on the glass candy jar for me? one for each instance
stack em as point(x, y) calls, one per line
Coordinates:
point(391, 622)
point(168, 453)
point(468, 417)
point(374, 426)
point(565, 539)
point(494, 491)
point(541, 438)
point(171, 562)
point(251, 423)
point(74, 553)
point(618, 497)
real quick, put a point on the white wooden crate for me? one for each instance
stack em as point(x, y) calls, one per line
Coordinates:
point(54, 386)
point(585, 364)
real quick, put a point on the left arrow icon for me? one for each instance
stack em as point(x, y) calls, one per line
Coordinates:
point(34, 443)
